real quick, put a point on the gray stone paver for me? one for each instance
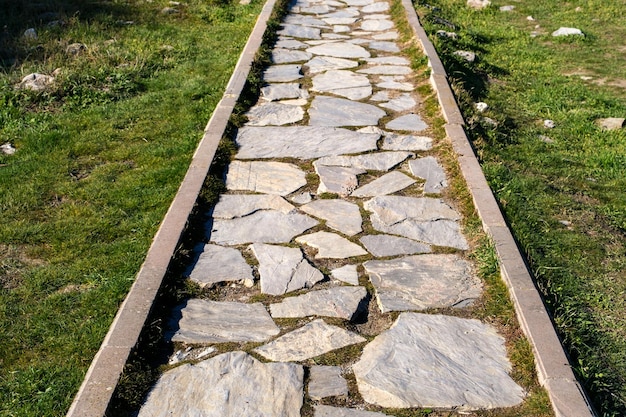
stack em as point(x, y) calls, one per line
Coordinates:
point(326, 381)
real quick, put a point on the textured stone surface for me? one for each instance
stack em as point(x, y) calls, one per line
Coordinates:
point(282, 73)
point(219, 264)
point(429, 169)
point(386, 70)
point(330, 111)
point(340, 215)
point(206, 321)
point(274, 92)
point(386, 46)
point(342, 302)
point(381, 6)
point(264, 177)
point(338, 180)
point(340, 50)
point(387, 245)
point(428, 360)
point(286, 43)
point(387, 184)
point(380, 161)
point(331, 245)
point(274, 114)
point(376, 25)
point(328, 411)
point(422, 281)
point(393, 142)
point(233, 384)
point(299, 31)
point(401, 103)
point(326, 381)
point(265, 226)
point(303, 142)
point(395, 85)
point(388, 60)
point(565, 31)
point(391, 35)
point(347, 274)
point(343, 83)
point(611, 123)
point(283, 269)
point(311, 340)
point(324, 63)
point(230, 206)
point(288, 56)
point(411, 122)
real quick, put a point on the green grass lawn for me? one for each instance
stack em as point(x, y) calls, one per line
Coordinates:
point(562, 189)
point(99, 157)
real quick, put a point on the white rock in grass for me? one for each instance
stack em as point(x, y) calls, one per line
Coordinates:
point(565, 31)
point(478, 4)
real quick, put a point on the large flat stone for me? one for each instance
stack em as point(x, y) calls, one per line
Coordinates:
point(409, 122)
point(206, 321)
point(393, 142)
point(429, 169)
point(343, 83)
point(340, 215)
point(303, 142)
point(298, 19)
point(395, 85)
point(376, 25)
point(379, 161)
point(274, 114)
point(335, 179)
point(326, 381)
point(401, 103)
point(287, 43)
point(311, 340)
point(282, 73)
point(387, 184)
point(331, 245)
point(330, 111)
point(219, 264)
point(437, 361)
point(230, 206)
point(328, 411)
point(347, 274)
point(385, 46)
point(283, 269)
point(264, 177)
point(388, 60)
point(381, 6)
point(340, 50)
point(274, 92)
point(395, 209)
point(289, 56)
point(387, 245)
point(300, 31)
point(420, 282)
point(233, 384)
point(264, 226)
point(324, 63)
point(342, 302)
point(386, 70)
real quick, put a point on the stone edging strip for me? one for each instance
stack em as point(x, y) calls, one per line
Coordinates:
point(94, 394)
point(553, 368)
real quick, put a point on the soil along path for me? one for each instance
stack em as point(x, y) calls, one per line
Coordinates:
point(334, 200)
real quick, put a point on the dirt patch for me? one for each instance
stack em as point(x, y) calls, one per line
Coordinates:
point(14, 261)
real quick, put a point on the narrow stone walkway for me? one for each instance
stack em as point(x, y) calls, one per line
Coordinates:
point(331, 222)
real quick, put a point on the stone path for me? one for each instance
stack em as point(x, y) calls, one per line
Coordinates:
point(332, 219)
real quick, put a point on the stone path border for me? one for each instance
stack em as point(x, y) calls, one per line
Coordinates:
point(553, 368)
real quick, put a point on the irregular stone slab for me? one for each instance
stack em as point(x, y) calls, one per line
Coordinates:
point(288, 56)
point(282, 73)
point(387, 245)
point(337, 180)
point(326, 381)
point(381, 6)
point(380, 161)
point(342, 302)
point(320, 64)
point(376, 25)
point(611, 123)
point(387, 184)
point(302, 198)
point(420, 282)
point(340, 215)
point(386, 70)
point(290, 44)
point(386, 36)
point(283, 269)
point(380, 96)
point(206, 321)
point(379, 16)
point(330, 111)
point(311, 340)
point(331, 245)
point(253, 389)
point(563, 31)
point(190, 354)
point(395, 85)
point(341, 28)
point(334, 36)
point(388, 60)
point(298, 19)
point(401, 103)
point(300, 31)
point(429, 169)
point(302, 142)
point(274, 114)
point(393, 142)
point(411, 122)
point(358, 2)
point(340, 50)
point(435, 232)
point(343, 83)
point(317, 9)
point(264, 177)
point(478, 4)
point(469, 56)
point(347, 274)
point(230, 206)
point(219, 264)
point(266, 226)
point(328, 411)
point(274, 92)
point(384, 46)
point(437, 361)
point(340, 20)
point(37, 82)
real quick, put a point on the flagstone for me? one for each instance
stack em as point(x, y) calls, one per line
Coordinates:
point(386, 69)
point(300, 31)
point(331, 245)
point(341, 302)
point(376, 25)
point(394, 142)
point(358, 2)
point(317, 9)
point(283, 91)
point(340, 20)
point(437, 361)
point(283, 269)
point(341, 28)
point(429, 169)
point(288, 56)
point(326, 381)
point(287, 43)
point(266, 226)
point(274, 114)
point(267, 177)
point(384, 46)
point(343, 83)
point(230, 206)
point(388, 60)
point(380, 161)
point(395, 85)
point(380, 96)
point(381, 6)
point(340, 215)
point(206, 321)
point(310, 21)
point(303, 142)
point(411, 122)
point(282, 73)
point(219, 264)
point(337, 36)
point(311, 340)
point(329, 411)
point(324, 63)
point(347, 274)
point(340, 50)
point(330, 111)
point(401, 103)
point(386, 36)
point(387, 184)
point(337, 180)
point(388, 245)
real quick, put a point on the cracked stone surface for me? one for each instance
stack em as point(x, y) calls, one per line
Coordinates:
point(388, 245)
point(253, 389)
point(380, 161)
point(206, 321)
point(335, 179)
point(311, 340)
point(219, 264)
point(274, 114)
point(230, 206)
point(264, 177)
point(330, 111)
point(331, 245)
point(340, 215)
point(275, 92)
point(429, 169)
point(437, 361)
point(342, 302)
point(347, 274)
point(387, 184)
point(423, 281)
point(326, 381)
point(283, 269)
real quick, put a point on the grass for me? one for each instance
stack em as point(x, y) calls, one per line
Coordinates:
point(561, 188)
point(99, 158)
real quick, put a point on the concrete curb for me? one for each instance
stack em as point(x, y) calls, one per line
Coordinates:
point(553, 367)
point(94, 394)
